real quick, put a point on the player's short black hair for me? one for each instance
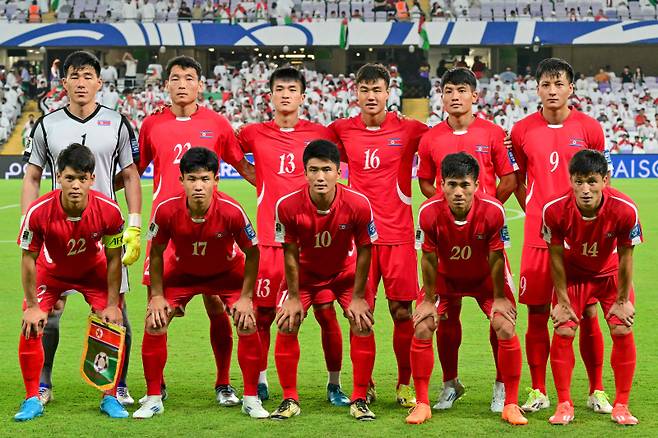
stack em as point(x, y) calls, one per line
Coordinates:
point(288, 74)
point(459, 165)
point(459, 76)
point(322, 149)
point(552, 67)
point(198, 158)
point(80, 59)
point(77, 157)
point(183, 61)
point(372, 73)
point(587, 162)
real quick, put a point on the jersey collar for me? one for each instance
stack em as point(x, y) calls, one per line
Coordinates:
point(78, 119)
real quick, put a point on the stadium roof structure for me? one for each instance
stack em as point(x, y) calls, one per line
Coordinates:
point(328, 34)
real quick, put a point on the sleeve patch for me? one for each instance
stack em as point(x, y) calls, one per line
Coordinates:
point(546, 232)
point(249, 231)
point(28, 146)
point(372, 230)
point(26, 238)
point(636, 234)
point(279, 232)
point(115, 241)
point(505, 237)
point(153, 231)
point(420, 238)
point(134, 147)
point(512, 159)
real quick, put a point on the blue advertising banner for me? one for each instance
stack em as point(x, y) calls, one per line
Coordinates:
point(635, 166)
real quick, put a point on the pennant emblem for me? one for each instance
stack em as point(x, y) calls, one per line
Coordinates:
point(103, 353)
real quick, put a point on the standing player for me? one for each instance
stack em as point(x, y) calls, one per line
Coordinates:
point(82, 230)
point(462, 233)
point(278, 147)
point(319, 225)
point(163, 140)
point(379, 148)
point(591, 231)
point(114, 146)
point(543, 143)
point(462, 131)
point(193, 237)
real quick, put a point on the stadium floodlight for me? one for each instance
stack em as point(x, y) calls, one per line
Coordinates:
point(412, 48)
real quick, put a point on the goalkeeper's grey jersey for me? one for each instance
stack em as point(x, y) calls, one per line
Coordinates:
point(106, 132)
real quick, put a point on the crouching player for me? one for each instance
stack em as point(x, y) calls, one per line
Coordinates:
point(462, 234)
point(591, 231)
point(319, 226)
point(82, 230)
point(193, 252)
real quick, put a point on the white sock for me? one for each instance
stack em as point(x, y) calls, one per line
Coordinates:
point(250, 399)
point(155, 398)
point(262, 377)
point(334, 377)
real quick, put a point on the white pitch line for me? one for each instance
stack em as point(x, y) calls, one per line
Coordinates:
point(5, 207)
point(518, 214)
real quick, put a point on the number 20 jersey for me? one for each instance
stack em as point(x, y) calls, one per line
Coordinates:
point(543, 152)
point(164, 139)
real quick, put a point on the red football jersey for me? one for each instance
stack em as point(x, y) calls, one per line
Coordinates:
point(202, 248)
point(325, 239)
point(590, 244)
point(380, 164)
point(483, 140)
point(462, 246)
point(164, 138)
point(543, 151)
point(71, 247)
point(279, 167)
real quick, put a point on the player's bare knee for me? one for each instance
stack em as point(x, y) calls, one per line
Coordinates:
point(360, 332)
point(246, 332)
point(620, 330)
point(567, 331)
point(214, 305)
point(425, 329)
point(155, 331)
point(503, 328)
point(400, 310)
point(590, 311)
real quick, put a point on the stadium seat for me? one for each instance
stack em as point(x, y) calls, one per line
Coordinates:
point(474, 13)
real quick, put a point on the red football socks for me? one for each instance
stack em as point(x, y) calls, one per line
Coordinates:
point(448, 340)
point(286, 357)
point(154, 358)
point(422, 364)
point(403, 332)
point(623, 359)
point(264, 323)
point(509, 360)
point(332, 337)
point(31, 357)
point(562, 363)
point(537, 348)
point(362, 353)
point(591, 350)
point(493, 340)
point(249, 359)
point(221, 340)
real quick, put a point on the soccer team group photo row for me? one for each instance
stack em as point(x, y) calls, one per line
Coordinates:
point(320, 241)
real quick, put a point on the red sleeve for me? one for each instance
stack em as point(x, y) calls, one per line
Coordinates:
point(335, 129)
point(285, 230)
point(365, 232)
point(113, 220)
point(426, 165)
point(501, 156)
point(159, 230)
point(145, 149)
point(416, 131)
point(629, 230)
point(244, 139)
point(229, 149)
point(496, 224)
point(241, 228)
point(517, 148)
point(427, 234)
point(328, 134)
point(31, 235)
point(551, 229)
point(595, 136)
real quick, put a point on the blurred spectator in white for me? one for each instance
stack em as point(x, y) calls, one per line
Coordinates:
point(148, 12)
point(109, 97)
point(416, 11)
point(394, 94)
point(638, 77)
point(283, 10)
point(223, 13)
point(651, 145)
point(638, 145)
point(261, 11)
point(129, 11)
point(161, 8)
point(508, 75)
point(131, 69)
point(109, 74)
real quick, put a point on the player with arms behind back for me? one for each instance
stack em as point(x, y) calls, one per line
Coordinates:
point(278, 147)
point(193, 237)
point(379, 148)
point(163, 140)
point(82, 231)
point(543, 143)
point(462, 233)
point(319, 225)
point(591, 231)
point(462, 131)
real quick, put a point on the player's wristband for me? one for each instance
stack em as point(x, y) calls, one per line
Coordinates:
point(135, 220)
point(115, 241)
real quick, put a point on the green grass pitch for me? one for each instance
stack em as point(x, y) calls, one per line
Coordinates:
point(191, 409)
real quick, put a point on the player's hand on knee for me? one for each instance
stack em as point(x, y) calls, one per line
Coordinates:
point(624, 310)
point(112, 314)
point(423, 311)
point(504, 308)
point(34, 320)
point(243, 314)
point(291, 312)
point(359, 311)
point(158, 312)
point(563, 313)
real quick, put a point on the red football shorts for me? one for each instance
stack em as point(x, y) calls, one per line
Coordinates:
point(179, 288)
point(603, 290)
point(397, 265)
point(315, 291)
point(92, 285)
point(270, 276)
point(535, 282)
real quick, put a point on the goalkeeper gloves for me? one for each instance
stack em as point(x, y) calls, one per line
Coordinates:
point(132, 239)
